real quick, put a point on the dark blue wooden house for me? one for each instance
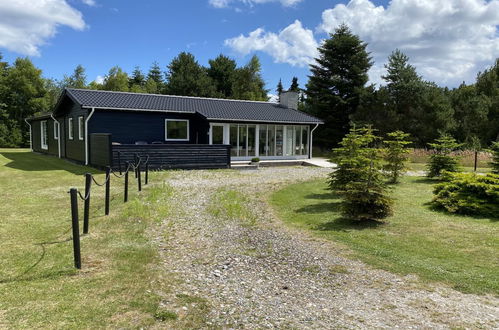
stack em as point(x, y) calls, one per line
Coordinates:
point(104, 128)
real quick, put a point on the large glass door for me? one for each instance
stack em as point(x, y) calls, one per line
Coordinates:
point(217, 134)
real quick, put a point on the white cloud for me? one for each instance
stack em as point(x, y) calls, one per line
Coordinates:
point(90, 3)
point(25, 25)
point(226, 3)
point(99, 79)
point(447, 40)
point(294, 45)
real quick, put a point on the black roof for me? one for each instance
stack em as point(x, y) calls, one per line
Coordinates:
point(212, 109)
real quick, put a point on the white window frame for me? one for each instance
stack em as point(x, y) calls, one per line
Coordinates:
point(70, 129)
point(56, 130)
point(44, 135)
point(166, 129)
point(81, 128)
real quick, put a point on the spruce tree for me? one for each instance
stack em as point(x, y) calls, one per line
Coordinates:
point(442, 159)
point(358, 177)
point(155, 78)
point(336, 84)
point(495, 157)
point(295, 87)
point(395, 155)
point(248, 83)
point(137, 80)
point(279, 89)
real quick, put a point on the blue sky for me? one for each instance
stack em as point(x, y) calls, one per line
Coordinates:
point(449, 41)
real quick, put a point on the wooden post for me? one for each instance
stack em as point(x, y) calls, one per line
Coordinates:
point(119, 161)
point(136, 161)
point(147, 173)
point(86, 210)
point(75, 226)
point(125, 197)
point(476, 160)
point(108, 185)
point(138, 178)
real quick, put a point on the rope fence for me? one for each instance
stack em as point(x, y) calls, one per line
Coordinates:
point(86, 198)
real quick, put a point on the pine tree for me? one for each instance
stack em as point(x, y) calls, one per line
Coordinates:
point(295, 87)
point(442, 160)
point(395, 155)
point(495, 157)
point(279, 89)
point(222, 72)
point(186, 77)
point(336, 83)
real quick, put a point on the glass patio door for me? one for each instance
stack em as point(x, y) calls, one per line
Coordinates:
point(217, 134)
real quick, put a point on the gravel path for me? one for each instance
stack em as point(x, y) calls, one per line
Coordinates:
point(268, 275)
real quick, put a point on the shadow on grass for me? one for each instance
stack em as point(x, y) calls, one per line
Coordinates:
point(344, 224)
point(479, 217)
point(325, 195)
point(28, 161)
point(320, 208)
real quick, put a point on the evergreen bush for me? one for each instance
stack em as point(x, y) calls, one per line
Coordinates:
point(395, 155)
point(442, 159)
point(495, 157)
point(358, 177)
point(468, 193)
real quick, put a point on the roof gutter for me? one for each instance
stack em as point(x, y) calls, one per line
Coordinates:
point(86, 135)
point(58, 135)
point(30, 135)
point(311, 139)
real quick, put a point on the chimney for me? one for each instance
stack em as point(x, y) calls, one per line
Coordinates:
point(289, 99)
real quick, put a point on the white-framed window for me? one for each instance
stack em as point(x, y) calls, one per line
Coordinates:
point(176, 130)
point(70, 128)
point(56, 130)
point(43, 131)
point(81, 128)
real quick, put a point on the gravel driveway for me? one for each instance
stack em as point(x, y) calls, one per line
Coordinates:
point(268, 275)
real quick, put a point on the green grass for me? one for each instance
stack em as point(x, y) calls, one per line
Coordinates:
point(231, 205)
point(457, 250)
point(422, 167)
point(39, 288)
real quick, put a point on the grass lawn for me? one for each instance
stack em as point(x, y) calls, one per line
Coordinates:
point(457, 250)
point(39, 288)
point(422, 167)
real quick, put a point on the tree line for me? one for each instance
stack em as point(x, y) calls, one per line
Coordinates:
point(338, 93)
point(24, 91)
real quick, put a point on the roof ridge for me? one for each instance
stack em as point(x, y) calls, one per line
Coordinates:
point(167, 95)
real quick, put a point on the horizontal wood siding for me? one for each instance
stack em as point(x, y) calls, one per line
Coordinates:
point(128, 127)
point(174, 156)
point(100, 149)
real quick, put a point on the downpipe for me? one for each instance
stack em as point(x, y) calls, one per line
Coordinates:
point(311, 140)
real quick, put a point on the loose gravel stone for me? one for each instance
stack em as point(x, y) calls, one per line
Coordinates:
point(271, 276)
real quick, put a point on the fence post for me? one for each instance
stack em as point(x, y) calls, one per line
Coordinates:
point(86, 210)
point(108, 185)
point(147, 173)
point(476, 160)
point(119, 161)
point(75, 226)
point(126, 185)
point(138, 178)
point(136, 160)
